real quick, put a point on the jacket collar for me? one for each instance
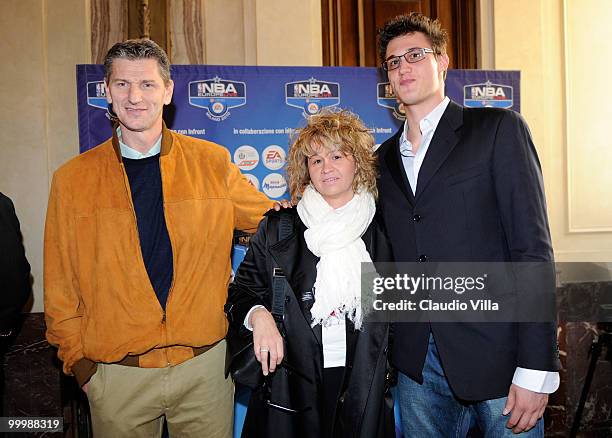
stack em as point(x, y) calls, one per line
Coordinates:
point(443, 142)
point(396, 169)
point(166, 144)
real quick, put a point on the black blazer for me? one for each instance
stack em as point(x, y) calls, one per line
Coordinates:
point(479, 198)
point(14, 268)
point(359, 412)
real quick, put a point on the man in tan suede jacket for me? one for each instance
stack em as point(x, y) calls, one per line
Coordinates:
point(137, 262)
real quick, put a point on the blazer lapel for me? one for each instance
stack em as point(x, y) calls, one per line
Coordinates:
point(393, 160)
point(443, 142)
point(294, 258)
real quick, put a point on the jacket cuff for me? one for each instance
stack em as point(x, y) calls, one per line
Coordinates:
point(83, 369)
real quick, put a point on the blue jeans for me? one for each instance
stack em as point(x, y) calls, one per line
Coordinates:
point(432, 410)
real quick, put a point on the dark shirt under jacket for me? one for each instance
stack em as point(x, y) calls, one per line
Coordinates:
point(146, 187)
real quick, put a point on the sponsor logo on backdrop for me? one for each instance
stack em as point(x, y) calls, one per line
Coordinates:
point(217, 96)
point(96, 95)
point(312, 95)
point(246, 157)
point(252, 179)
point(274, 157)
point(488, 95)
point(385, 97)
point(274, 185)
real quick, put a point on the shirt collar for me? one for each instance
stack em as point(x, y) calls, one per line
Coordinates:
point(128, 152)
point(430, 122)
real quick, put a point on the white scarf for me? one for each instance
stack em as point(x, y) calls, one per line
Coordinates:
point(335, 237)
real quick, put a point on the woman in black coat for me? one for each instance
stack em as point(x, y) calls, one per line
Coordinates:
point(326, 372)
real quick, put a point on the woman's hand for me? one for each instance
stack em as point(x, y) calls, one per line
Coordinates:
point(267, 341)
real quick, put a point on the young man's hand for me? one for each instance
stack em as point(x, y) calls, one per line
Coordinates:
point(526, 406)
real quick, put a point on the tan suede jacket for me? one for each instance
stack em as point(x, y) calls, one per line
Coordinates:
point(99, 303)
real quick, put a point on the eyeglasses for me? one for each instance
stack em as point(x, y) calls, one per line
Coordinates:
point(267, 391)
point(411, 56)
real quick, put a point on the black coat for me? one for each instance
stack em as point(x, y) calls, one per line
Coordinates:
point(479, 198)
point(14, 268)
point(359, 411)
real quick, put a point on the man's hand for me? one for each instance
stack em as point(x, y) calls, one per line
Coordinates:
point(527, 408)
point(266, 340)
point(282, 204)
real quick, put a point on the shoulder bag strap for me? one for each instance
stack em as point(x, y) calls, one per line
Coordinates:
point(279, 281)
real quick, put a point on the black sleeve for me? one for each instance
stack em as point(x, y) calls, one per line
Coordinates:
point(250, 286)
point(15, 285)
point(520, 195)
point(519, 188)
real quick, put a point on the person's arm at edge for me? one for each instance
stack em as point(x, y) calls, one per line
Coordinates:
point(249, 203)
point(14, 268)
point(249, 296)
point(516, 172)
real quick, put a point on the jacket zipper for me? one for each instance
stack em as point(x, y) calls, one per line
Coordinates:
point(164, 316)
point(126, 184)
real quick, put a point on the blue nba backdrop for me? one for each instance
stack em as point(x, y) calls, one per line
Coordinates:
point(252, 111)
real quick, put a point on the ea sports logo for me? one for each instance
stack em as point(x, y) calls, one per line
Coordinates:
point(274, 157)
point(218, 108)
point(312, 108)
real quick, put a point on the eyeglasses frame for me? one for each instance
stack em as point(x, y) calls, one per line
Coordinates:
point(423, 50)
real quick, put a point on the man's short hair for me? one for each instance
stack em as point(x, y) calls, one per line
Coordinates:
point(332, 129)
point(411, 23)
point(138, 49)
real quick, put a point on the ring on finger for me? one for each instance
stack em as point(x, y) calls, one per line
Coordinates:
point(264, 349)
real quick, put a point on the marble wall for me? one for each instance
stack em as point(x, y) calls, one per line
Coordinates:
point(32, 375)
point(583, 344)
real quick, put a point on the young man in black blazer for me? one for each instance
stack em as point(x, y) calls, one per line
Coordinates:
point(462, 185)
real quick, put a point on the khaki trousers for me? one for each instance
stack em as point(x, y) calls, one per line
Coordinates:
point(194, 396)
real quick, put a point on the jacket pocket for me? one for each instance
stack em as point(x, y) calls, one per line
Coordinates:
point(466, 174)
point(95, 390)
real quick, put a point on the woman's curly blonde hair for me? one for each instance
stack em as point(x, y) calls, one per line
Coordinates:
point(332, 129)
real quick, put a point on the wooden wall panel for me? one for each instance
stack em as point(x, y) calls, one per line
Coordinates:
point(158, 23)
point(350, 28)
point(186, 32)
point(148, 19)
point(384, 10)
point(108, 26)
point(387, 9)
point(113, 21)
point(348, 18)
